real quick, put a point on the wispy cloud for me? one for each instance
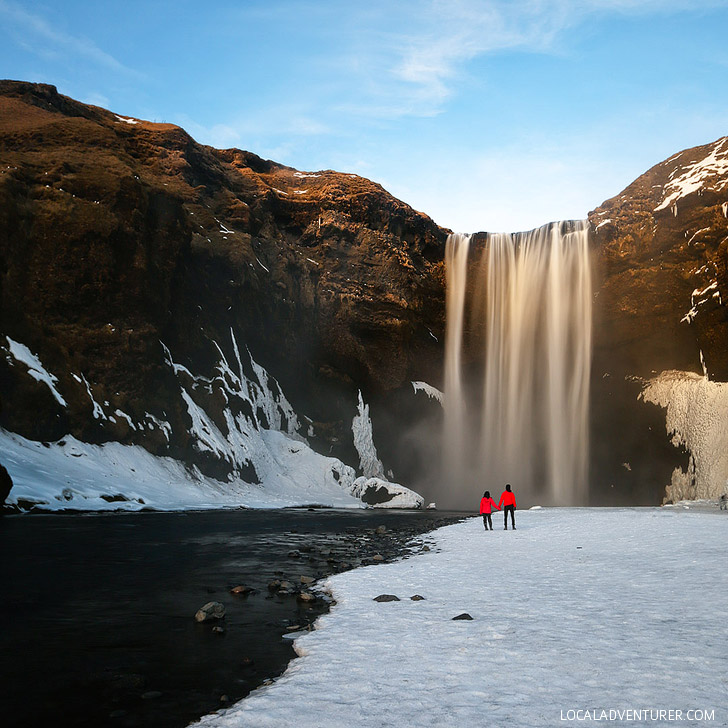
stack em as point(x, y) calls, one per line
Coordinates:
point(35, 33)
point(415, 68)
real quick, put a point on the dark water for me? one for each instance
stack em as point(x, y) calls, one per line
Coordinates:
point(97, 610)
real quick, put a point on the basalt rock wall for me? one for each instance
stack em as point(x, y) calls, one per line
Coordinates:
point(127, 247)
point(662, 288)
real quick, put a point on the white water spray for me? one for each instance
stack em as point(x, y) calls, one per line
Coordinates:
point(528, 418)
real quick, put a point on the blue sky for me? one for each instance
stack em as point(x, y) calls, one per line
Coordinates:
point(485, 114)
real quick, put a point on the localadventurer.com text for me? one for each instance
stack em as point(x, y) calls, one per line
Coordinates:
point(638, 715)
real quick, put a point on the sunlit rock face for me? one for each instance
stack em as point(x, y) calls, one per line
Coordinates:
point(131, 258)
point(662, 249)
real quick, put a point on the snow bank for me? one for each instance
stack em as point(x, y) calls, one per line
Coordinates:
point(697, 419)
point(595, 609)
point(73, 475)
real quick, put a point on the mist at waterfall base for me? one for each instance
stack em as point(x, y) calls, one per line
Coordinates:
point(517, 366)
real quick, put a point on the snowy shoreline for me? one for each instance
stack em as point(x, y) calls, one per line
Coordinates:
point(578, 608)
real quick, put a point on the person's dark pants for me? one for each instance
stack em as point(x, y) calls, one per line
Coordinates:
point(487, 522)
point(506, 511)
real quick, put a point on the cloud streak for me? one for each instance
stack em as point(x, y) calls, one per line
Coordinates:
point(32, 29)
point(415, 69)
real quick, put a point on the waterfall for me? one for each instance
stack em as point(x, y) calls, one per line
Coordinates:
point(456, 261)
point(518, 411)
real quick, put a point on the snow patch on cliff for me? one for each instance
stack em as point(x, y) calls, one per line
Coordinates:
point(98, 410)
point(429, 390)
point(708, 172)
point(23, 355)
point(697, 419)
point(373, 487)
point(699, 297)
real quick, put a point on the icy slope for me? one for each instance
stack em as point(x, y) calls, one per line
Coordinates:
point(242, 429)
point(73, 475)
point(578, 609)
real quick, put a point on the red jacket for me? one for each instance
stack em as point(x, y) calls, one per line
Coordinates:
point(507, 499)
point(486, 505)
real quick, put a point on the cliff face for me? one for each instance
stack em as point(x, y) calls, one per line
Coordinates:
point(662, 250)
point(161, 293)
point(133, 261)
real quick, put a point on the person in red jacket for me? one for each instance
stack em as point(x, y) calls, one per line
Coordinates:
point(508, 501)
point(487, 504)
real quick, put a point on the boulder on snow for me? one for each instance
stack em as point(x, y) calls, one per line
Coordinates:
point(210, 611)
point(464, 615)
point(6, 484)
point(417, 598)
point(380, 493)
point(386, 598)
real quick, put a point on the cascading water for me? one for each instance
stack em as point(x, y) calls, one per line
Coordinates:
point(524, 418)
point(456, 261)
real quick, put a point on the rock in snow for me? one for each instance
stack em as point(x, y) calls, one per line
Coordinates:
point(380, 493)
point(386, 598)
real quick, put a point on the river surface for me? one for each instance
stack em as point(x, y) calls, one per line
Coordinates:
point(97, 610)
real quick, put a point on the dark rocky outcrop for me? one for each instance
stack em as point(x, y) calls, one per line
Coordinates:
point(6, 484)
point(119, 237)
point(662, 252)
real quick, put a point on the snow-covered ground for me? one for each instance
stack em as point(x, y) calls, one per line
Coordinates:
point(577, 610)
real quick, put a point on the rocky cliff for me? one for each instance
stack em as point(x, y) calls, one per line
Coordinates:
point(662, 324)
point(154, 291)
point(254, 323)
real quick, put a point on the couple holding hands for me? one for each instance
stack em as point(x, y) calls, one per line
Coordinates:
point(507, 500)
